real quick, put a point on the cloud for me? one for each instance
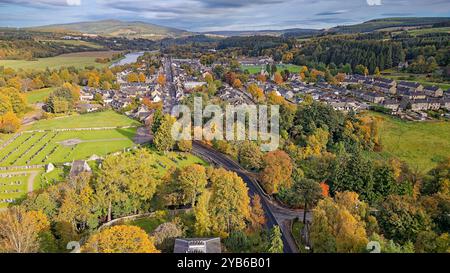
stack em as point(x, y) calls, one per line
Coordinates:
point(36, 3)
point(374, 2)
point(328, 13)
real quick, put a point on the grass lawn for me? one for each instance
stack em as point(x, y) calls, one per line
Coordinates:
point(91, 120)
point(48, 147)
point(78, 60)
point(422, 79)
point(13, 188)
point(39, 95)
point(416, 32)
point(174, 159)
point(254, 69)
point(421, 144)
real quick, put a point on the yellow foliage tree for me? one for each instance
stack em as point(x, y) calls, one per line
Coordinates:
point(120, 239)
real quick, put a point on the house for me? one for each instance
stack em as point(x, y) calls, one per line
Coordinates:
point(410, 94)
point(445, 103)
point(385, 88)
point(79, 167)
point(190, 85)
point(198, 246)
point(433, 91)
point(386, 81)
point(372, 97)
point(414, 86)
point(84, 96)
point(393, 105)
point(88, 107)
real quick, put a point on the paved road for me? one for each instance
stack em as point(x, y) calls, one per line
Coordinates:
point(275, 214)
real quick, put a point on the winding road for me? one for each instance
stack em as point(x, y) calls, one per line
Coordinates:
point(275, 214)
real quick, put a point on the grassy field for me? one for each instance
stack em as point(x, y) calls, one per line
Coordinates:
point(76, 43)
point(422, 79)
point(78, 60)
point(421, 144)
point(254, 69)
point(51, 147)
point(12, 188)
point(92, 120)
point(39, 95)
point(422, 31)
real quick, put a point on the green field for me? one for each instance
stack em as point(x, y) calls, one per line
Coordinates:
point(255, 69)
point(92, 120)
point(422, 79)
point(50, 147)
point(77, 60)
point(421, 144)
point(13, 188)
point(422, 31)
point(39, 95)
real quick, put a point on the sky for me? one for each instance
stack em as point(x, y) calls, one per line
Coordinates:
point(215, 15)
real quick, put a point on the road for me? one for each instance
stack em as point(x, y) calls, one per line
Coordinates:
point(275, 214)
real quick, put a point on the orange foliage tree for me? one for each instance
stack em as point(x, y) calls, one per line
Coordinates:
point(277, 172)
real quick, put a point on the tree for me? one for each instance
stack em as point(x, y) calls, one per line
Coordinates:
point(158, 117)
point(120, 239)
point(258, 216)
point(161, 80)
point(377, 72)
point(202, 216)
point(229, 203)
point(278, 79)
point(193, 182)
point(165, 235)
point(163, 140)
point(277, 171)
point(185, 145)
point(132, 78)
point(237, 83)
point(250, 155)
point(256, 92)
point(19, 230)
point(305, 193)
point(338, 225)
point(401, 219)
point(9, 123)
point(276, 241)
point(126, 181)
point(142, 78)
point(5, 104)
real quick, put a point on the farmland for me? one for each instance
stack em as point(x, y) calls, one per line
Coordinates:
point(421, 145)
point(77, 60)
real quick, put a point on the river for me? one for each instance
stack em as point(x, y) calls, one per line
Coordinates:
point(128, 59)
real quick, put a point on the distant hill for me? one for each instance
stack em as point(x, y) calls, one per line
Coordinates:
point(283, 32)
point(390, 24)
point(116, 28)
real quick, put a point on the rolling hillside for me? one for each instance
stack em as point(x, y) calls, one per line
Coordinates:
point(117, 28)
point(390, 23)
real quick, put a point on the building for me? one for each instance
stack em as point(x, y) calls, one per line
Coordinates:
point(433, 91)
point(373, 97)
point(385, 88)
point(211, 245)
point(79, 167)
point(393, 105)
point(413, 86)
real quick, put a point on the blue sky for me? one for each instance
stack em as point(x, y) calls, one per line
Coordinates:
point(211, 15)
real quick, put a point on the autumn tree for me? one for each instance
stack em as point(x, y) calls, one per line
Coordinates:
point(237, 83)
point(229, 203)
point(132, 78)
point(120, 239)
point(161, 80)
point(163, 140)
point(257, 216)
point(339, 225)
point(142, 78)
point(192, 180)
point(9, 123)
point(126, 180)
point(184, 145)
point(20, 230)
point(277, 171)
point(250, 155)
point(278, 79)
point(256, 92)
point(203, 222)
